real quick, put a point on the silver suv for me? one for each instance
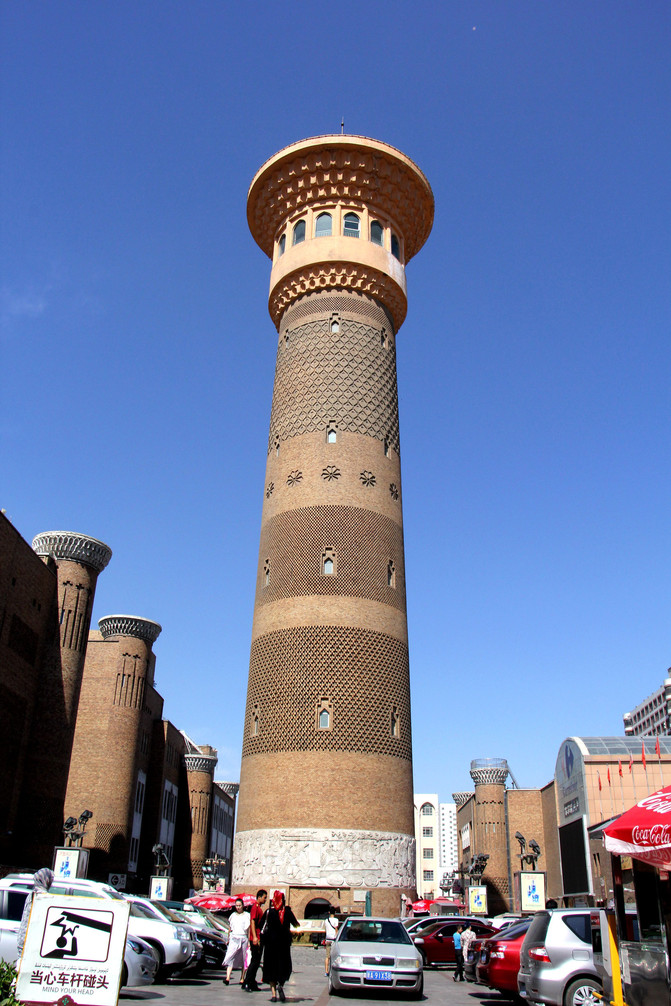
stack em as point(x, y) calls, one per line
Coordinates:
point(556, 963)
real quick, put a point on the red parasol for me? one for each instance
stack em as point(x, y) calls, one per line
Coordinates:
point(644, 831)
point(219, 902)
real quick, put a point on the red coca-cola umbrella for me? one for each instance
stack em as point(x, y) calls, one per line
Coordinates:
point(421, 906)
point(217, 902)
point(644, 831)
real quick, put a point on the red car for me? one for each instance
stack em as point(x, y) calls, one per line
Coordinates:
point(500, 958)
point(436, 944)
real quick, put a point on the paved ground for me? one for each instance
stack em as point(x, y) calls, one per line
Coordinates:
point(307, 985)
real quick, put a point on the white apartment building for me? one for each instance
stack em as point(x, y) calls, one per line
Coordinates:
point(436, 842)
point(653, 716)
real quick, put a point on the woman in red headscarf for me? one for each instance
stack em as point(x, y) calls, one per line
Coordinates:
point(276, 937)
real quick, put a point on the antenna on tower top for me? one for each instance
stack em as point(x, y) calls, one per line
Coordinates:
point(342, 124)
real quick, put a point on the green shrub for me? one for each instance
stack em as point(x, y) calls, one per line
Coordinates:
point(7, 985)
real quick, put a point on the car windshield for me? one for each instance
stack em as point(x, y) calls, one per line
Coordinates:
point(168, 912)
point(370, 931)
point(513, 931)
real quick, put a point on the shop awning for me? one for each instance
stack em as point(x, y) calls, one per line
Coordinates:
point(644, 831)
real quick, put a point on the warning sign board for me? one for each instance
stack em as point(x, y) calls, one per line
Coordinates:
point(74, 948)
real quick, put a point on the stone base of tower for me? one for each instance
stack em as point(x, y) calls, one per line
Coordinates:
point(339, 865)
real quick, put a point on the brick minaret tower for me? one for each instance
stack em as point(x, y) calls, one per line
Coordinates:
point(489, 823)
point(326, 797)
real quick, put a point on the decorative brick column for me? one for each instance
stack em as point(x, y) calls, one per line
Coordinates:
point(200, 766)
point(489, 776)
point(326, 794)
point(77, 559)
point(111, 747)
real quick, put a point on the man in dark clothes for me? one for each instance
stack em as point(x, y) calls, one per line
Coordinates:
point(255, 947)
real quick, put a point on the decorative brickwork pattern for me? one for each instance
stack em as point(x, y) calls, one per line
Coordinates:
point(323, 303)
point(364, 673)
point(346, 377)
point(364, 541)
point(338, 275)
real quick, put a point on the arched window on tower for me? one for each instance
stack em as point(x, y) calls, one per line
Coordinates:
point(281, 245)
point(391, 574)
point(329, 562)
point(266, 573)
point(324, 714)
point(331, 434)
point(323, 225)
point(351, 226)
point(255, 721)
point(377, 233)
point(299, 232)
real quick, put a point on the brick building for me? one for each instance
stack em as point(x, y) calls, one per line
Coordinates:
point(487, 820)
point(84, 730)
point(328, 701)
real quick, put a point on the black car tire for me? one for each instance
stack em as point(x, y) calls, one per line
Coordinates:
point(124, 975)
point(423, 956)
point(578, 992)
point(333, 991)
point(161, 974)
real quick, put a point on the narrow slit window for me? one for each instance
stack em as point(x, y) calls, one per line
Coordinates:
point(351, 225)
point(266, 573)
point(277, 448)
point(391, 574)
point(324, 714)
point(324, 719)
point(386, 447)
point(299, 232)
point(335, 326)
point(395, 247)
point(396, 727)
point(323, 225)
point(281, 245)
point(331, 435)
point(377, 233)
point(328, 566)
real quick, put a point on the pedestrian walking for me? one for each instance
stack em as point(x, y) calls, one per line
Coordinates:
point(467, 938)
point(276, 936)
point(330, 932)
point(238, 942)
point(42, 881)
point(255, 948)
point(458, 955)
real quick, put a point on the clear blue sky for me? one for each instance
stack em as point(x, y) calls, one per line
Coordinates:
point(138, 354)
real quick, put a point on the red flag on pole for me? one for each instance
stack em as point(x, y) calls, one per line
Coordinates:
point(631, 761)
point(657, 751)
point(643, 755)
point(599, 778)
point(609, 775)
point(619, 766)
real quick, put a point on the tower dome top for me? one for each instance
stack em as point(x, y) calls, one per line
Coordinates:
point(73, 546)
point(129, 625)
point(340, 168)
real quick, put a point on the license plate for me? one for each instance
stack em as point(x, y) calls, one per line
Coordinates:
point(378, 976)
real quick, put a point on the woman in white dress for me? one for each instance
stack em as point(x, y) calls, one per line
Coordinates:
point(238, 942)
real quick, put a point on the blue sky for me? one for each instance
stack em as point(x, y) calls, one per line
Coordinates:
point(138, 354)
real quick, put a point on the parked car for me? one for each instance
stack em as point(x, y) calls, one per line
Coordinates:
point(375, 953)
point(499, 959)
point(140, 959)
point(556, 962)
point(417, 926)
point(436, 944)
point(471, 958)
point(212, 943)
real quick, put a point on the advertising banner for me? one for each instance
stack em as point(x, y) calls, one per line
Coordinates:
point(74, 948)
point(70, 862)
point(160, 888)
point(477, 900)
point(532, 891)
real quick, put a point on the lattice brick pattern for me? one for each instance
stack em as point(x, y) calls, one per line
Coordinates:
point(346, 377)
point(364, 542)
point(364, 674)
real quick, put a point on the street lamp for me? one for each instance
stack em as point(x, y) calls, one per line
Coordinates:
point(528, 857)
point(73, 835)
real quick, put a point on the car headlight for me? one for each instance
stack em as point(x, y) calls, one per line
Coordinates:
point(409, 962)
point(346, 961)
point(182, 934)
point(136, 947)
